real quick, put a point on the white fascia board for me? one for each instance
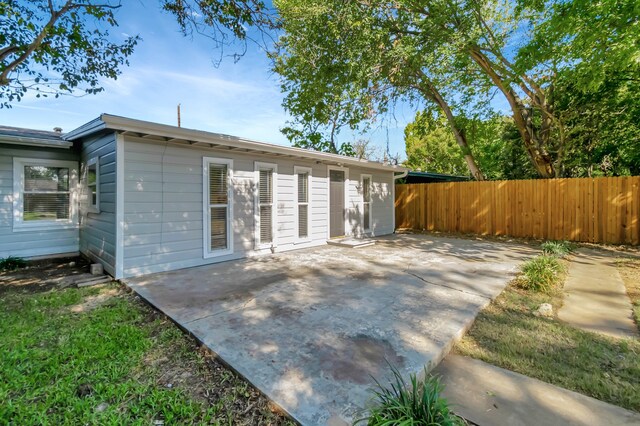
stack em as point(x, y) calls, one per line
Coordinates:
point(172, 132)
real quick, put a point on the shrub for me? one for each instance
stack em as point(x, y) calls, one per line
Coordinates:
point(557, 248)
point(12, 263)
point(540, 273)
point(418, 404)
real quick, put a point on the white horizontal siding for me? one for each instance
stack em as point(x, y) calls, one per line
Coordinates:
point(98, 230)
point(163, 227)
point(30, 243)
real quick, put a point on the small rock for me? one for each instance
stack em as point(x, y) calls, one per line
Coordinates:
point(100, 408)
point(169, 385)
point(72, 264)
point(545, 310)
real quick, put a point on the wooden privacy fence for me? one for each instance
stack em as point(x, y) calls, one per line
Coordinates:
point(600, 210)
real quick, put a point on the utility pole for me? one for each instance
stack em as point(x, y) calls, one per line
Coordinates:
point(178, 115)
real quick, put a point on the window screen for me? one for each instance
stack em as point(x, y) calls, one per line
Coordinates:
point(46, 193)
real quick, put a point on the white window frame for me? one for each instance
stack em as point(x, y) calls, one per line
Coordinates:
point(19, 224)
point(93, 208)
point(296, 171)
point(347, 230)
point(206, 211)
point(362, 178)
point(274, 203)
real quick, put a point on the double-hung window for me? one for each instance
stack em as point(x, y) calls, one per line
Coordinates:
point(44, 193)
point(93, 184)
point(366, 202)
point(266, 175)
point(303, 210)
point(218, 202)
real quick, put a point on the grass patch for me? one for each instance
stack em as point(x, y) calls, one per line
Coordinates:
point(417, 403)
point(541, 273)
point(629, 269)
point(557, 248)
point(508, 335)
point(99, 356)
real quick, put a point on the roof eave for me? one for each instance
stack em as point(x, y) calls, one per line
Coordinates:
point(142, 128)
point(91, 127)
point(41, 143)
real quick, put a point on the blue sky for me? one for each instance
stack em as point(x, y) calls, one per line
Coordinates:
point(241, 99)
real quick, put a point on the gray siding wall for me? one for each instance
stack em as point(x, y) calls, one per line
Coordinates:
point(30, 243)
point(98, 230)
point(382, 202)
point(163, 216)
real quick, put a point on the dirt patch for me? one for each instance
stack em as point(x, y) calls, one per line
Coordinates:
point(182, 362)
point(92, 302)
point(630, 272)
point(43, 275)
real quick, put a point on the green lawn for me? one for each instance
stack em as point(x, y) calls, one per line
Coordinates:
point(507, 334)
point(100, 356)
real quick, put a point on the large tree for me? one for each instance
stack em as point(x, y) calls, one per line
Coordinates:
point(343, 62)
point(52, 47)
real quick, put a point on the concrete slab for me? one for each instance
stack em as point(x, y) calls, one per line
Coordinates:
point(595, 297)
point(489, 395)
point(310, 328)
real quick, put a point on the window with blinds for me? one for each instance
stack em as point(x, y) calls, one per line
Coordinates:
point(265, 205)
point(219, 207)
point(303, 205)
point(366, 202)
point(46, 194)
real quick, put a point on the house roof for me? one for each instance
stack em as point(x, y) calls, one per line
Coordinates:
point(434, 177)
point(179, 135)
point(32, 137)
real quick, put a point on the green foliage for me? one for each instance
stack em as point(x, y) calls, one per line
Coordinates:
point(570, 85)
point(12, 263)
point(430, 146)
point(602, 125)
point(58, 51)
point(557, 248)
point(541, 273)
point(418, 403)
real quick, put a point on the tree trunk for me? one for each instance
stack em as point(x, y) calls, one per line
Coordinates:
point(534, 141)
point(432, 93)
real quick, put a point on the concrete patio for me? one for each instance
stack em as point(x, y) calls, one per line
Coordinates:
point(310, 328)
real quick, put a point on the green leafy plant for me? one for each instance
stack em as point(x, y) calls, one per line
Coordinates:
point(418, 403)
point(557, 248)
point(540, 273)
point(12, 263)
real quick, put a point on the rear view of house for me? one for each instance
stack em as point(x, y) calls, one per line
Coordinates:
point(142, 197)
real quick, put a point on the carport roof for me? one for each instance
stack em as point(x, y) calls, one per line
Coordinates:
point(179, 135)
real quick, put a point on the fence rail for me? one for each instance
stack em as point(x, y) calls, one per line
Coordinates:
point(601, 210)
